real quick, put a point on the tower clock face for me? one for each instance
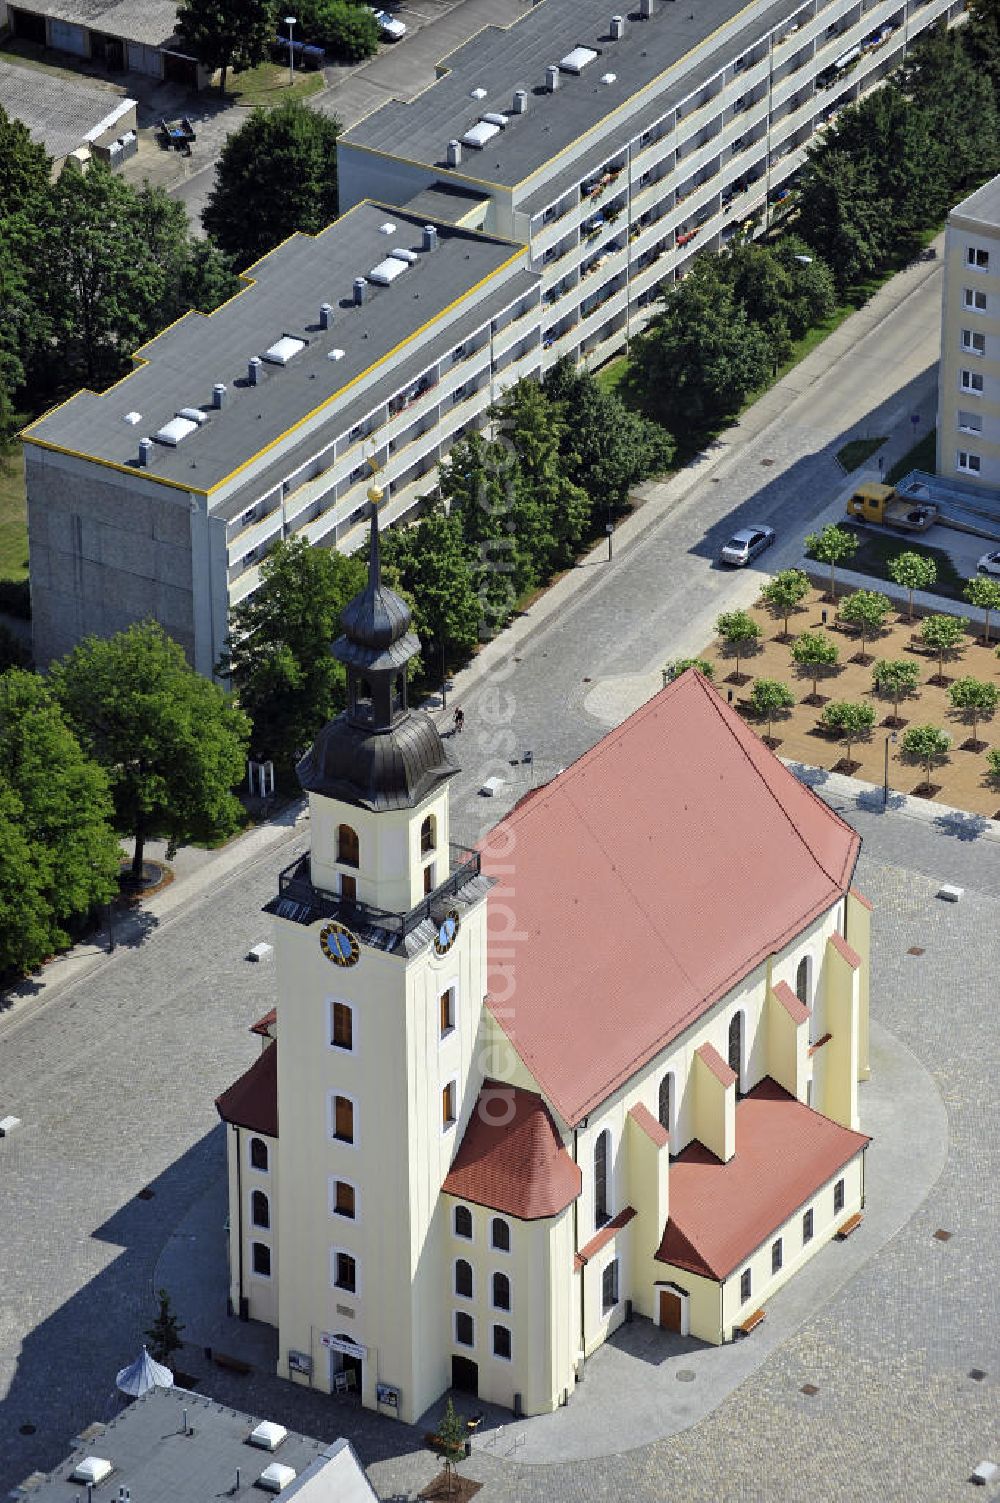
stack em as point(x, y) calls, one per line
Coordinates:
point(447, 933)
point(339, 944)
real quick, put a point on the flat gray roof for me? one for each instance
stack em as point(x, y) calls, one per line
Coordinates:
point(184, 362)
point(501, 60)
point(983, 205)
point(153, 22)
point(57, 112)
point(158, 1463)
point(448, 201)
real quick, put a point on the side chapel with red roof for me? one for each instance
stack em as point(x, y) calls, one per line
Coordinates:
point(605, 1066)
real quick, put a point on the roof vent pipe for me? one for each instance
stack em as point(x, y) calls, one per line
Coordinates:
point(219, 394)
point(430, 237)
point(617, 28)
point(520, 105)
point(552, 77)
point(454, 153)
point(145, 450)
point(253, 369)
point(645, 9)
point(325, 315)
point(360, 291)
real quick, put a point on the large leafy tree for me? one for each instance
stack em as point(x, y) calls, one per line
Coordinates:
point(278, 653)
point(24, 166)
point(893, 139)
point(982, 39)
point(812, 289)
point(433, 564)
point(955, 87)
point(227, 34)
point(275, 175)
point(172, 743)
point(479, 480)
point(58, 853)
point(607, 448)
point(840, 213)
point(348, 31)
point(701, 356)
point(551, 514)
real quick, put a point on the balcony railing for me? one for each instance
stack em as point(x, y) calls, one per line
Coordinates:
point(295, 885)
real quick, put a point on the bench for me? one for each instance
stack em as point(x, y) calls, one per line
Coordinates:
point(850, 1225)
point(234, 1364)
point(751, 1323)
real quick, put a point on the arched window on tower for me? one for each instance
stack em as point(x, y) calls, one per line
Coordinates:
point(428, 835)
point(348, 846)
point(260, 1209)
point(602, 1214)
point(363, 698)
point(736, 1048)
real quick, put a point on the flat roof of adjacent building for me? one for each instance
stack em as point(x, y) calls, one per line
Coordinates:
point(714, 859)
point(983, 205)
point(59, 113)
point(180, 366)
point(151, 1455)
point(152, 22)
point(502, 59)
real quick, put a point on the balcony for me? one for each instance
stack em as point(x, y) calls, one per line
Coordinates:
point(306, 903)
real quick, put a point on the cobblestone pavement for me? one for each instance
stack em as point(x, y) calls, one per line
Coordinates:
point(114, 1081)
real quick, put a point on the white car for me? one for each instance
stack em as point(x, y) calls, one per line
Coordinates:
point(989, 563)
point(391, 28)
point(746, 544)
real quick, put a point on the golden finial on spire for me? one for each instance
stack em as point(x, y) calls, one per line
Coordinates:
point(375, 492)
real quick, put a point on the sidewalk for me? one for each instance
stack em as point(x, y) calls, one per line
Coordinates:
point(658, 498)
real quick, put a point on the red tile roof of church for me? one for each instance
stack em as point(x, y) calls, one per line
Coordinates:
point(721, 1213)
point(644, 1118)
point(795, 1008)
point(264, 1025)
point(252, 1101)
point(648, 880)
point(710, 1056)
point(511, 1158)
point(603, 1237)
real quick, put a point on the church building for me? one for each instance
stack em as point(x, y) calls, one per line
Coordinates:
point(604, 1066)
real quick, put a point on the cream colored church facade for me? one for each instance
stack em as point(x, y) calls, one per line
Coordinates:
point(606, 1066)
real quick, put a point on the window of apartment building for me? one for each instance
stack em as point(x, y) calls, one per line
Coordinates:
point(343, 1119)
point(501, 1291)
point(499, 1235)
point(971, 381)
point(447, 1010)
point(260, 1259)
point(746, 1285)
point(776, 1256)
point(348, 846)
point(260, 1209)
point(807, 1227)
point(258, 1154)
point(974, 298)
point(345, 1271)
point(463, 1278)
point(344, 1199)
point(465, 1330)
point(969, 422)
point(978, 258)
point(609, 1286)
point(448, 1106)
point(463, 1222)
point(342, 1026)
point(838, 1196)
point(501, 1342)
point(601, 1150)
point(973, 342)
point(970, 464)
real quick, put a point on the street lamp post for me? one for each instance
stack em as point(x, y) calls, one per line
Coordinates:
point(290, 22)
point(609, 529)
point(885, 780)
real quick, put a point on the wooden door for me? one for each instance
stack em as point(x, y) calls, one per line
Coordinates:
point(670, 1310)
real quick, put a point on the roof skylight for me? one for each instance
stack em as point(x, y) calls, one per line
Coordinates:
point(577, 60)
point(284, 349)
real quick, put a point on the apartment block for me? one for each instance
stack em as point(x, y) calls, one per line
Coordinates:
point(968, 432)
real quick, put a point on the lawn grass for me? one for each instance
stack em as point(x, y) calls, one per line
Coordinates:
point(923, 456)
point(875, 551)
point(611, 376)
point(13, 519)
point(853, 455)
point(267, 85)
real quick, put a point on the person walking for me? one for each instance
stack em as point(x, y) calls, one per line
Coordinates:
point(459, 718)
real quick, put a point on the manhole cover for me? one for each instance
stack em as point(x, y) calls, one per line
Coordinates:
point(976, 1374)
point(915, 950)
point(27, 1429)
point(942, 1235)
point(810, 1389)
point(685, 1375)
point(766, 463)
point(145, 1194)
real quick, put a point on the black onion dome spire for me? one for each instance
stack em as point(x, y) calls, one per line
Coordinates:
point(379, 753)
